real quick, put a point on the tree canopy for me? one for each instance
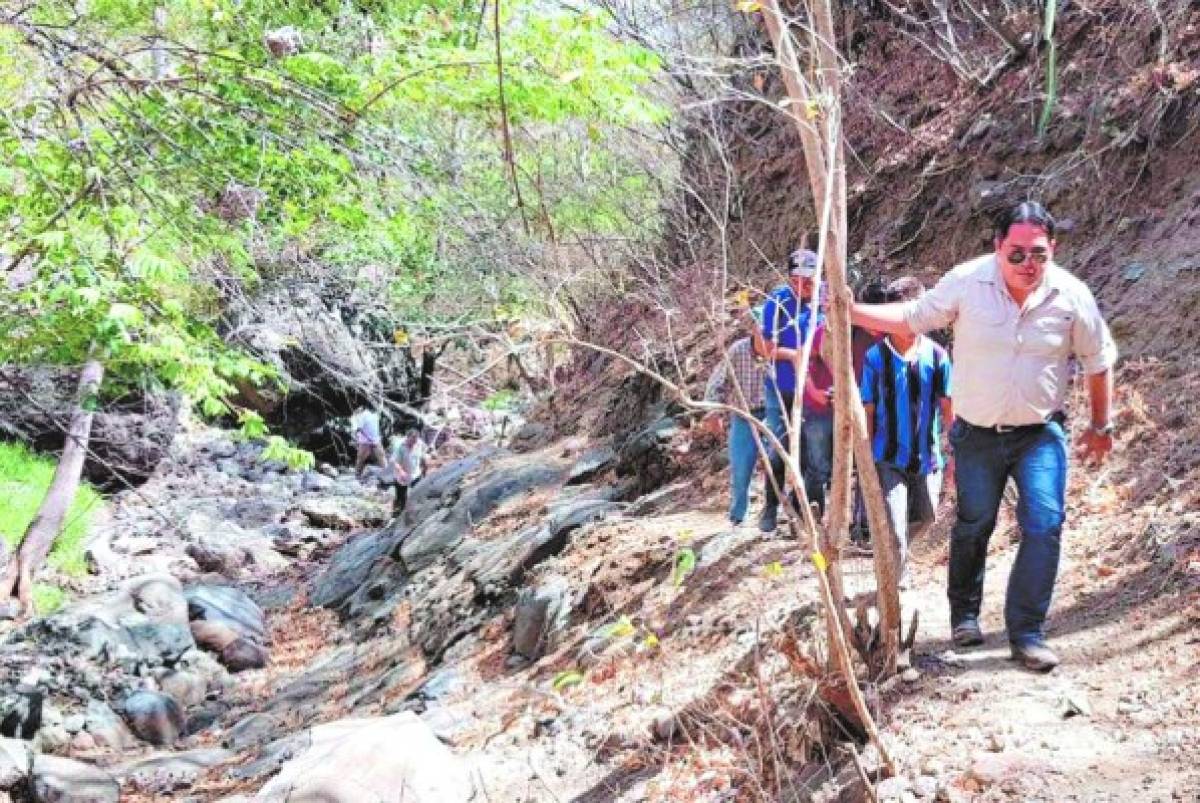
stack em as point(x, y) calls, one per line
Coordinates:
point(158, 158)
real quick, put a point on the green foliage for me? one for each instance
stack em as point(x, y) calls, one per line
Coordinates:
point(280, 451)
point(503, 399)
point(1051, 68)
point(567, 679)
point(48, 599)
point(24, 478)
point(684, 565)
point(275, 449)
point(375, 145)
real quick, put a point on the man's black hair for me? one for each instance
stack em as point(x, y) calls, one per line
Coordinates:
point(873, 293)
point(1029, 212)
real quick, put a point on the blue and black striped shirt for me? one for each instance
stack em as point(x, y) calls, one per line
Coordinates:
point(906, 396)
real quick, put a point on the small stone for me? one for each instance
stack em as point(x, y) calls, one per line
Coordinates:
point(243, 654)
point(926, 787)
point(891, 789)
point(74, 723)
point(83, 742)
point(910, 675)
point(53, 739)
point(666, 724)
point(931, 765)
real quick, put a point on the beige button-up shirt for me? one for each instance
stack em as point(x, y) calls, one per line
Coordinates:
point(1011, 362)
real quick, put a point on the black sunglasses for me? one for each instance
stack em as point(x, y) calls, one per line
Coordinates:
point(1018, 257)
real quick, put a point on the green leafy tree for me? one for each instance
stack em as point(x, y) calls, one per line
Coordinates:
point(151, 152)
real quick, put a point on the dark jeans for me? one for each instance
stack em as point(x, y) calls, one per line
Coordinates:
point(1036, 458)
point(816, 451)
point(401, 500)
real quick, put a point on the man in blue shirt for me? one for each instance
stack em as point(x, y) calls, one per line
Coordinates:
point(906, 394)
point(787, 319)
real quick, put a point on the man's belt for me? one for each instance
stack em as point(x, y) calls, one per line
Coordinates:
point(1058, 417)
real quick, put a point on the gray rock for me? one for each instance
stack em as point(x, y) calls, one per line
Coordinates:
point(541, 614)
point(340, 765)
point(259, 511)
point(188, 688)
point(130, 438)
point(107, 728)
point(442, 683)
point(503, 480)
point(251, 731)
point(159, 597)
point(315, 482)
point(154, 717)
point(227, 606)
point(330, 513)
point(74, 723)
point(161, 643)
point(163, 773)
point(52, 739)
point(349, 569)
point(61, 780)
point(591, 463)
point(16, 762)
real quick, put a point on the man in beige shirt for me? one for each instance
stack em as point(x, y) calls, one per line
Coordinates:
point(1018, 319)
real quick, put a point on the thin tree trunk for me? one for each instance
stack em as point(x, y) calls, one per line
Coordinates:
point(47, 523)
point(817, 115)
point(851, 433)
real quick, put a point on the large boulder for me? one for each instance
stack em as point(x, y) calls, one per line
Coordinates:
point(341, 765)
point(349, 569)
point(229, 606)
point(320, 346)
point(227, 622)
point(130, 435)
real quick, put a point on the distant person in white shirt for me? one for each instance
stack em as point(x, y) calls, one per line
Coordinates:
point(1018, 320)
point(408, 463)
point(365, 426)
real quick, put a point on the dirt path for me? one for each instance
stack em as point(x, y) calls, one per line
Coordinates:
point(1118, 720)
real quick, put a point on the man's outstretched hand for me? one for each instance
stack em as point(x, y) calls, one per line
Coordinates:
point(1094, 446)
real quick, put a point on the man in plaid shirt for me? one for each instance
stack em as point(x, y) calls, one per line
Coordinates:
point(738, 382)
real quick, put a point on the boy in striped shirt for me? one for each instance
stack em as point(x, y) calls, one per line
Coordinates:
point(906, 394)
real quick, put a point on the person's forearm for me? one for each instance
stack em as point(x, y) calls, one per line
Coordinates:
point(887, 318)
point(947, 414)
point(1100, 389)
point(869, 409)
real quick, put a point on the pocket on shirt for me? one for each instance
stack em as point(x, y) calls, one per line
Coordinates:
point(1052, 334)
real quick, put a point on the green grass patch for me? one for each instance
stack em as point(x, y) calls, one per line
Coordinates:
point(24, 478)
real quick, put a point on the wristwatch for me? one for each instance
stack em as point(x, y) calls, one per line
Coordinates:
point(1105, 429)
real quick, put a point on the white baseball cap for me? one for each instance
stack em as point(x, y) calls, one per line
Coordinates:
point(802, 262)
